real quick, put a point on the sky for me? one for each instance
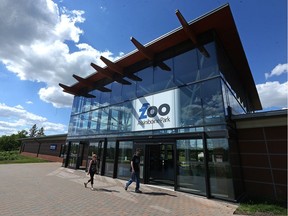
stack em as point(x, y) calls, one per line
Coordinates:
point(44, 42)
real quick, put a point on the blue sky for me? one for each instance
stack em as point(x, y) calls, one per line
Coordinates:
point(44, 42)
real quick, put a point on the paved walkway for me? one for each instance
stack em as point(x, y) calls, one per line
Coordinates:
point(49, 189)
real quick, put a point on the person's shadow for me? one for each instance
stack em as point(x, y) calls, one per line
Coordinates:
point(158, 194)
point(106, 190)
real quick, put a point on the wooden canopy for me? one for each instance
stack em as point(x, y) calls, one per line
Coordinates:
point(219, 20)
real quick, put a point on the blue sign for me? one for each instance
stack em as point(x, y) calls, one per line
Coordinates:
point(53, 147)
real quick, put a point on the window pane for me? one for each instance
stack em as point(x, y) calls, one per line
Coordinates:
point(208, 66)
point(124, 158)
point(191, 169)
point(73, 155)
point(221, 183)
point(116, 93)
point(110, 155)
point(103, 118)
point(191, 108)
point(213, 105)
point(129, 91)
point(105, 97)
point(146, 85)
point(126, 117)
point(186, 68)
point(163, 79)
point(114, 119)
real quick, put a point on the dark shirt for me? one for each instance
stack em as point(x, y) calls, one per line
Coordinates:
point(136, 162)
point(93, 166)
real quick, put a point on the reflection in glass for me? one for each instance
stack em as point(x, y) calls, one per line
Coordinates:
point(208, 67)
point(191, 169)
point(103, 119)
point(73, 155)
point(146, 85)
point(186, 68)
point(191, 107)
point(163, 79)
point(116, 93)
point(221, 184)
point(109, 158)
point(124, 158)
point(213, 105)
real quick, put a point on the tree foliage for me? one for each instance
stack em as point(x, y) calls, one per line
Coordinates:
point(40, 132)
point(33, 131)
point(10, 143)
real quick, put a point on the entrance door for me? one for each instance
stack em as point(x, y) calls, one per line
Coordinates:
point(82, 155)
point(160, 164)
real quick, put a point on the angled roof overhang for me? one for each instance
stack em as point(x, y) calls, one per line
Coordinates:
point(219, 20)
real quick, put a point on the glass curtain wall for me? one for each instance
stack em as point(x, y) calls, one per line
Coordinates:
point(103, 115)
point(124, 158)
point(200, 104)
point(231, 84)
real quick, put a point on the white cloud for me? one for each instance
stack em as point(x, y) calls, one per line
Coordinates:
point(33, 36)
point(278, 70)
point(273, 94)
point(14, 119)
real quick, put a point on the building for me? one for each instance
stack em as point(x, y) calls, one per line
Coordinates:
point(188, 100)
point(45, 147)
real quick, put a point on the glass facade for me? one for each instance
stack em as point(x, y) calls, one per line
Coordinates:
point(189, 101)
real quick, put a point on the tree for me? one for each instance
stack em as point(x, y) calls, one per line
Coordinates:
point(11, 143)
point(33, 131)
point(22, 134)
point(40, 132)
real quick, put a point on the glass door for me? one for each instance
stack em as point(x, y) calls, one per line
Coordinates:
point(160, 164)
point(191, 172)
point(142, 157)
point(82, 155)
point(97, 148)
point(72, 159)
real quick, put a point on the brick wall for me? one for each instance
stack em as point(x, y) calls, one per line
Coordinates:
point(263, 154)
point(42, 147)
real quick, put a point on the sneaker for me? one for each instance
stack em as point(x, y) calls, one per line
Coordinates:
point(85, 185)
point(138, 191)
point(92, 188)
point(126, 188)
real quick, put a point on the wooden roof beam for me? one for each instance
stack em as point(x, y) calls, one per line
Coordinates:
point(116, 68)
point(72, 91)
point(191, 34)
point(148, 54)
point(89, 83)
point(109, 76)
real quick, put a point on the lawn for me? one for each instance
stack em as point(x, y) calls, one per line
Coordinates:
point(8, 157)
point(264, 209)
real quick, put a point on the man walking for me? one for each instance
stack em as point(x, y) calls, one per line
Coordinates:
point(135, 171)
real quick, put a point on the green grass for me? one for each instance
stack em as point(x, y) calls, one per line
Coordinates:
point(260, 209)
point(8, 157)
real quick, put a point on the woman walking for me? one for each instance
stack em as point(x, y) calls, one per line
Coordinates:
point(92, 168)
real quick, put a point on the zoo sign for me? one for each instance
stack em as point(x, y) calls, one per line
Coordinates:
point(157, 111)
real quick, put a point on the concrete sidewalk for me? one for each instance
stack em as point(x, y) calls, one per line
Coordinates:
point(49, 189)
